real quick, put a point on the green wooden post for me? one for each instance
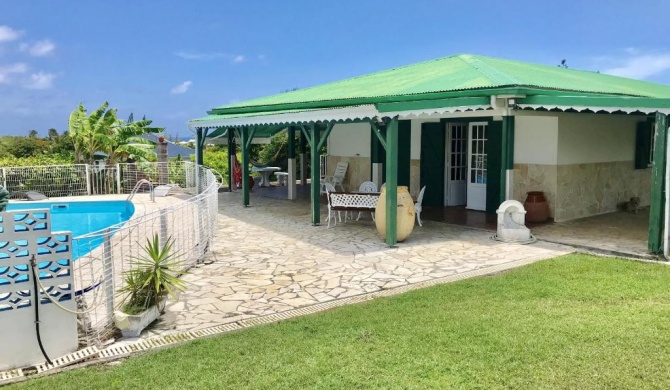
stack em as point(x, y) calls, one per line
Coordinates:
point(245, 165)
point(199, 145)
point(291, 164)
point(656, 217)
point(392, 182)
point(231, 156)
point(507, 154)
point(316, 174)
point(303, 159)
point(291, 142)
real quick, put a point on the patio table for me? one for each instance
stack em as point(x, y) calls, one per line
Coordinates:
point(265, 174)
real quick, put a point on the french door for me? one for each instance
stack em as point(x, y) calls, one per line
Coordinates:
point(457, 164)
point(477, 166)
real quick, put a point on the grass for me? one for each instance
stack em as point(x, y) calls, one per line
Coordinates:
point(574, 322)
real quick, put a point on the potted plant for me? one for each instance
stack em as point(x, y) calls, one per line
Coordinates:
point(147, 286)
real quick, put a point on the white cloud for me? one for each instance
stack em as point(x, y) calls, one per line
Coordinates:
point(181, 88)
point(7, 71)
point(38, 49)
point(199, 56)
point(41, 80)
point(641, 66)
point(9, 34)
point(238, 58)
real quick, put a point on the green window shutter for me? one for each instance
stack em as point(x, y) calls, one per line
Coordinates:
point(643, 145)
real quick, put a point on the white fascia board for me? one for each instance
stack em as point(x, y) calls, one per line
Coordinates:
point(363, 112)
point(628, 110)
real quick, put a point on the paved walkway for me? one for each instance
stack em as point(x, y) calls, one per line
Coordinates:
point(268, 259)
point(619, 232)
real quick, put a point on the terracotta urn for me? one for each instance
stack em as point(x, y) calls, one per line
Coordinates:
point(537, 208)
point(405, 218)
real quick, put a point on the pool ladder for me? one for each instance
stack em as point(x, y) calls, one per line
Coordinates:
point(138, 185)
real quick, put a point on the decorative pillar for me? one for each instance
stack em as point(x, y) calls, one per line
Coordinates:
point(315, 174)
point(291, 164)
point(656, 215)
point(245, 165)
point(392, 181)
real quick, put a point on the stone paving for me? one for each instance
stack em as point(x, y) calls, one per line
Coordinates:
point(268, 259)
point(620, 232)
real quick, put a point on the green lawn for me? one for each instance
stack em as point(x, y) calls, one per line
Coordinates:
point(574, 322)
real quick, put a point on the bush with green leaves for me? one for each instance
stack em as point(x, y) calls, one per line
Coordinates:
point(4, 198)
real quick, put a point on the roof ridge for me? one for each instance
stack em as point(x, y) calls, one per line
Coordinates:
point(492, 73)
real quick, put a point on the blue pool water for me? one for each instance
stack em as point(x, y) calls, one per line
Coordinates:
point(81, 218)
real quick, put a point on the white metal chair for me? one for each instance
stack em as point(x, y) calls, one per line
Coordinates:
point(331, 213)
point(337, 178)
point(417, 206)
point(366, 186)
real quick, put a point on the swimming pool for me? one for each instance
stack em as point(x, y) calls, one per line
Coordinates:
point(82, 218)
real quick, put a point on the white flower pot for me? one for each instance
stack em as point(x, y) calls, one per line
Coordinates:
point(132, 325)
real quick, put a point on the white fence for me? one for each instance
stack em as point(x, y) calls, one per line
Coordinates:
point(104, 256)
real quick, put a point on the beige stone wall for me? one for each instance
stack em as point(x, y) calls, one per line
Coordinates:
point(536, 177)
point(582, 190)
point(414, 178)
point(590, 189)
point(358, 171)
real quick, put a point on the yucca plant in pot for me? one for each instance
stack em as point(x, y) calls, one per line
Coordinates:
point(148, 285)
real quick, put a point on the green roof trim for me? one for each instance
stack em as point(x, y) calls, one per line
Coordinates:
point(461, 75)
point(597, 101)
point(436, 103)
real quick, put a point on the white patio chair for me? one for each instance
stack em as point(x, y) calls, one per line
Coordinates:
point(417, 206)
point(337, 178)
point(366, 186)
point(331, 213)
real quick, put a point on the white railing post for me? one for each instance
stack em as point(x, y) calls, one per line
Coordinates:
point(108, 271)
point(118, 179)
point(88, 179)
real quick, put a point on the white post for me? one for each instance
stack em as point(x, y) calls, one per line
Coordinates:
point(509, 189)
point(377, 177)
point(4, 178)
point(88, 179)
point(118, 179)
point(291, 179)
point(108, 271)
point(303, 168)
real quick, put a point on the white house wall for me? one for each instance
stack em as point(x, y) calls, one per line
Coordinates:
point(351, 143)
point(584, 163)
point(596, 168)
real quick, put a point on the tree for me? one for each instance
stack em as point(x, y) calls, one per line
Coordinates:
point(32, 134)
point(102, 131)
point(52, 134)
point(563, 64)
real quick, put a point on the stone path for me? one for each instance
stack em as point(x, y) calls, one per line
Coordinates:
point(268, 259)
point(619, 232)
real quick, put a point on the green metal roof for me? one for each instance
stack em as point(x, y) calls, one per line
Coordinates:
point(461, 75)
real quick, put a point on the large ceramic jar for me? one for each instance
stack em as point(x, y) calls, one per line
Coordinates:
point(537, 209)
point(406, 215)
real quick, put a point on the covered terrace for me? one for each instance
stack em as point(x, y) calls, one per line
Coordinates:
point(501, 95)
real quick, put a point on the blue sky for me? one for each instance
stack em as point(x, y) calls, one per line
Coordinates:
point(173, 60)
